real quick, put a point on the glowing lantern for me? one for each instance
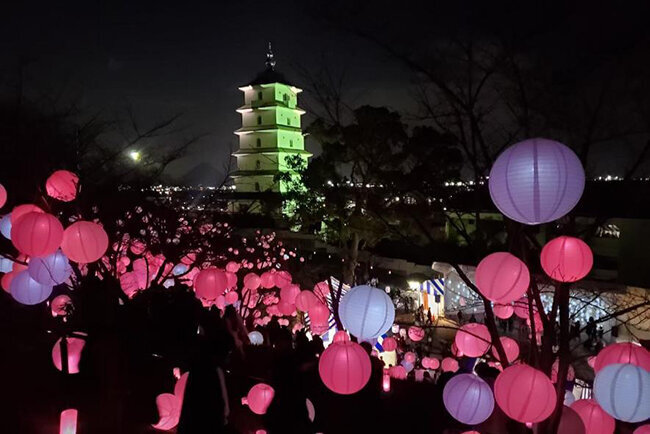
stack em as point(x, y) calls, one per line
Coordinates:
point(231, 297)
point(425, 362)
point(502, 277)
point(256, 338)
point(594, 418)
point(319, 328)
point(84, 242)
point(410, 357)
point(398, 372)
point(570, 375)
point(389, 344)
point(210, 283)
point(344, 367)
point(455, 351)
point(169, 411)
point(473, 339)
point(68, 421)
point(522, 309)
point(319, 313)
point(37, 234)
point(434, 363)
point(449, 364)
point(570, 422)
point(252, 281)
point(6, 280)
point(75, 347)
point(21, 210)
point(232, 267)
point(623, 392)
point(366, 312)
point(511, 348)
point(130, 284)
point(305, 300)
point(645, 429)
point(322, 289)
point(407, 366)
point(61, 305)
point(289, 293)
point(26, 290)
point(3, 195)
point(259, 398)
point(62, 185)
point(536, 181)
point(566, 259)
point(341, 336)
point(503, 311)
point(5, 226)
point(286, 308)
point(50, 270)
point(623, 352)
point(267, 280)
point(468, 399)
point(525, 394)
point(282, 279)
point(416, 334)
point(231, 278)
point(385, 382)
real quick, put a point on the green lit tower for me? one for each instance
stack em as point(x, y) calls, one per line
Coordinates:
point(270, 131)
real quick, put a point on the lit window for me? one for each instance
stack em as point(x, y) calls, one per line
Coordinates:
point(288, 121)
point(291, 143)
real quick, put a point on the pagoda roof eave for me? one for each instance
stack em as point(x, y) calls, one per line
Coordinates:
point(251, 86)
point(248, 108)
point(271, 151)
point(265, 129)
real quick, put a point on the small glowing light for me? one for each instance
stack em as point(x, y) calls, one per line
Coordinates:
point(135, 155)
point(413, 284)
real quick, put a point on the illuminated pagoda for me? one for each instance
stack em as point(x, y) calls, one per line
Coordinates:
point(270, 131)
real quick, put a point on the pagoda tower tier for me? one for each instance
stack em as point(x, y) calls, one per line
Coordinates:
point(271, 132)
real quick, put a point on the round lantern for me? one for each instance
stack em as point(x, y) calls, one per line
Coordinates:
point(344, 367)
point(21, 210)
point(231, 278)
point(252, 281)
point(37, 234)
point(536, 181)
point(319, 313)
point(389, 344)
point(502, 277)
point(410, 357)
point(62, 185)
point(525, 394)
point(5, 226)
point(566, 259)
point(84, 242)
point(232, 267)
point(210, 283)
point(341, 336)
point(425, 362)
point(256, 338)
point(623, 352)
point(259, 398)
point(455, 351)
point(468, 399)
point(169, 411)
point(645, 429)
point(305, 300)
point(398, 372)
point(623, 391)
point(3, 195)
point(503, 311)
point(416, 334)
point(6, 265)
point(366, 312)
point(50, 270)
point(522, 309)
point(282, 279)
point(75, 347)
point(26, 290)
point(449, 364)
point(267, 280)
point(6, 280)
point(570, 422)
point(231, 297)
point(511, 348)
point(289, 293)
point(286, 308)
point(596, 421)
point(433, 363)
point(61, 305)
point(322, 289)
point(319, 328)
point(570, 375)
point(473, 339)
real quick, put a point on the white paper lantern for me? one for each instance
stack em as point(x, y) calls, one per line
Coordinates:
point(256, 338)
point(366, 312)
point(623, 391)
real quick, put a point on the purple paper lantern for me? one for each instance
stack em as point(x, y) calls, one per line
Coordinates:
point(50, 270)
point(468, 399)
point(536, 181)
point(28, 291)
point(5, 226)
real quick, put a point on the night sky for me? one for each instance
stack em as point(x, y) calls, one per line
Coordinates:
point(164, 58)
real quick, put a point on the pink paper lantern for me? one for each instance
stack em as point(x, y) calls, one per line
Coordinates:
point(570, 422)
point(502, 277)
point(6, 280)
point(62, 185)
point(525, 394)
point(455, 351)
point(169, 411)
point(594, 418)
point(522, 309)
point(210, 283)
point(289, 293)
point(503, 311)
point(75, 347)
point(3, 196)
point(623, 352)
point(398, 372)
point(468, 399)
point(305, 300)
point(389, 344)
point(286, 308)
point(231, 297)
point(37, 234)
point(344, 367)
point(21, 210)
point(232, 267)
point(84, 242)
point(566, 259)
point(645, 429)
point(449, 364)
point(473, 339)
point(282, 279)
point(260, 397)
point(252, 281)
point(410, 357)
point(319, 313)
point(570, 375)
point(511, 348)
point(322, 289)
point(68, 421)
point(61, 305)
point(319, 328)
point(416, 334)
point(231, 278)
point(341, 336)
point(425, 362)
point(267, 280)
point(434, 363)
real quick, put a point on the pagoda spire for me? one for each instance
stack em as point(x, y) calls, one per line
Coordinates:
point(270, 58)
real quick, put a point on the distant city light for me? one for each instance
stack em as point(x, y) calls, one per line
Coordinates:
point(135, 156)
